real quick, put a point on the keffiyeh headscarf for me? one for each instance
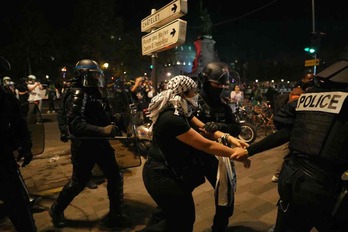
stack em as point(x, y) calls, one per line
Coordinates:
point(171, 96)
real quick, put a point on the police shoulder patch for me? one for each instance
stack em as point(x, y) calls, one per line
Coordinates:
point(330, 102)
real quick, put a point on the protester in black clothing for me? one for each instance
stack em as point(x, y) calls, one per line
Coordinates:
point(313, 182)
point(15, 136)
point(88, 120)
point(217, 114)
point(173, 169)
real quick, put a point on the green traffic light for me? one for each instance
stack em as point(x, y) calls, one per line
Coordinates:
point(310, 50)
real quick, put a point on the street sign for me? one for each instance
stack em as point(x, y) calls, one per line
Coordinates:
point(166, 14)
point(164, 38)
point(309, 63)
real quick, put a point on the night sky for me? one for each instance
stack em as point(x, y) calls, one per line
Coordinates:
point(266, 28)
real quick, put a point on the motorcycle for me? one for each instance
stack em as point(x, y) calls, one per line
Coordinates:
point(142, 128)
point(248, 130)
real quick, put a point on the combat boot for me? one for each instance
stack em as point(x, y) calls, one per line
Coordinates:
point(58, 218)
point(116, 220)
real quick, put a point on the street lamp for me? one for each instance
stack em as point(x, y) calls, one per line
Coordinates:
point(105, 65)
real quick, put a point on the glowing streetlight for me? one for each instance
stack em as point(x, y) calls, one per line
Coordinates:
point(105, 65)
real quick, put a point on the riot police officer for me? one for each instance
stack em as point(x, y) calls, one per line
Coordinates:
point(88, 119)
point(217, 115)
point(311, 186)
point(14, 192)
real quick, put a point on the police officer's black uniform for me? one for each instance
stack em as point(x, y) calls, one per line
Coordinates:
point(14, 136)
point(218, 115)
point(87, 115)
point(310, 184)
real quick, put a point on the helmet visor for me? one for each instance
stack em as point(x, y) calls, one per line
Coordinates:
point(93, 78)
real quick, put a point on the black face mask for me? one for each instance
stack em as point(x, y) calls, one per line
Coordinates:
point(212, 91)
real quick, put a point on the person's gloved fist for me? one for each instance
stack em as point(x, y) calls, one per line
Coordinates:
point(111, 130)
point(118, 117)
point(211, 127)
point(28, 156)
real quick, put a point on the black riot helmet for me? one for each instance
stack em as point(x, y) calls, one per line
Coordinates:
point(336, 75)
point(217, 72)
point(89, 73)
point(214, 77)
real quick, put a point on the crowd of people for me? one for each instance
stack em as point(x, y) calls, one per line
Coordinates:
point(31, 93)
point(194, 139)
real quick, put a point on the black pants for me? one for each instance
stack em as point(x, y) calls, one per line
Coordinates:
point(84, 156)
point(306, 202)
point(176, 203)
point(51, 104)
point(15, 196)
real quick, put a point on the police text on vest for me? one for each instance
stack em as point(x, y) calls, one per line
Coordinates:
point(330, 102)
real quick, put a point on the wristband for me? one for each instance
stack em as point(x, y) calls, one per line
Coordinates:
point(225, 136)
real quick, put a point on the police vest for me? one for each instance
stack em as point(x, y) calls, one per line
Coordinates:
point(217, 113)
point(89, 105)
point(321, 126)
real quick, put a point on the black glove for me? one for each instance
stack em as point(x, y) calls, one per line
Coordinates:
point(64, 138)
point(111, 130)
point(27, 155)
point(211, 127)
point(118, 117)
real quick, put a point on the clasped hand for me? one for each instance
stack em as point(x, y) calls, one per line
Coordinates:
point(241, 154)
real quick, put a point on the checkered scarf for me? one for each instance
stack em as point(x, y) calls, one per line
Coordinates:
point(171, 97)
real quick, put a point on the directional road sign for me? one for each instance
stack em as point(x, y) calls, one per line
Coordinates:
point(309, 63)
point(164, 38)
point(166, 14)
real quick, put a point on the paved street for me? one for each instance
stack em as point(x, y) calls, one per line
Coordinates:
point(255, 205)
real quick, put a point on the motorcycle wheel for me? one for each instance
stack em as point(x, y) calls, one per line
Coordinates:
point(248, 133)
